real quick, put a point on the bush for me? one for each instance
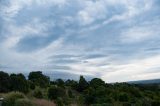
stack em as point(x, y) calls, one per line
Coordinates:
point(123, 97)
point(70, 94)
point(38, 93)
point(23, 102)
point(60, 102)
point(55, 92)
point(10, 98)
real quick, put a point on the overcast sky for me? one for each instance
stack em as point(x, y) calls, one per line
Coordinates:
point(116, 40)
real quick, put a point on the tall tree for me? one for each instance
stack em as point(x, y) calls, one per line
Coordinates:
point(39, 79)
point(4, 82)
point(96, 82)
point(19, 83)
point(83, 84)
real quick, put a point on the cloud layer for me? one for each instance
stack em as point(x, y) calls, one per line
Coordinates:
point(110, 39)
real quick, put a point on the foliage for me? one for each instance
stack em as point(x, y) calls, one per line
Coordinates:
point(82, 85)
point(60, 82)
point(31, 85)
point(38, 93)
point(96, 82)
point(10, 98)
point(82, 93)
point(4, 82)
point(70, 94)
point(71, 83)
point(39, 79)
point(54, 92)
point(23, 102)
point(19, 83)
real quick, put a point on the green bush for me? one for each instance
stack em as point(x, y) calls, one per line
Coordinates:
point(123, 97)
point(59, 102)
point(70, 94)
point(55, 92)
point(38, 93)
point(10, 98)
point(23, 102)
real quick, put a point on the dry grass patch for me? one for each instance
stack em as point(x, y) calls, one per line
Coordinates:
point(43, 102)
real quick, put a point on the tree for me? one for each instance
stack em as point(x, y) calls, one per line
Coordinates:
point(60, 82)
point(39, 79)
point(71, 83)
point(31, 85)
point(4, 82)
point(96, 82)
point(55, 92)
point(19, 83)
point(83, 84)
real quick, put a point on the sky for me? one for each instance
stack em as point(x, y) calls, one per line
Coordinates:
point(116, 40)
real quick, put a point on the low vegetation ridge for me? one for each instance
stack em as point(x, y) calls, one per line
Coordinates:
point(39, 90)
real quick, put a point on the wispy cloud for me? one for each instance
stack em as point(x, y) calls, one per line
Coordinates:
point(110, 39)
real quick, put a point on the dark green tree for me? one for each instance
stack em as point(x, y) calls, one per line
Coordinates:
point(19, 83)
point(39, 79)
point(60, 82)
point(82, 85)
point(31, 85)
point(4, 82)
point(71, 83)
point(96, 82)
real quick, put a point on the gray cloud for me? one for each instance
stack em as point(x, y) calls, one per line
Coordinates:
point(102, 38)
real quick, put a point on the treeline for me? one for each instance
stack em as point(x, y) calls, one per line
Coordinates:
point(80, 93)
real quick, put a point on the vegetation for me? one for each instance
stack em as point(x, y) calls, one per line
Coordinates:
point(38, 90)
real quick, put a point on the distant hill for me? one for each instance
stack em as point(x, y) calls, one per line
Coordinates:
point(152, 81)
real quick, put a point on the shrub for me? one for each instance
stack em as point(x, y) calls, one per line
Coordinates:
point(38, 93)
point(55, 92)
point(23, 102)
point(10, 98)
point(123, 97)
point(60, 102)
point(70, 94)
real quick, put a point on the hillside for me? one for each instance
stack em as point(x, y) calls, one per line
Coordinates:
point(38, 90)
point(152, 81)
